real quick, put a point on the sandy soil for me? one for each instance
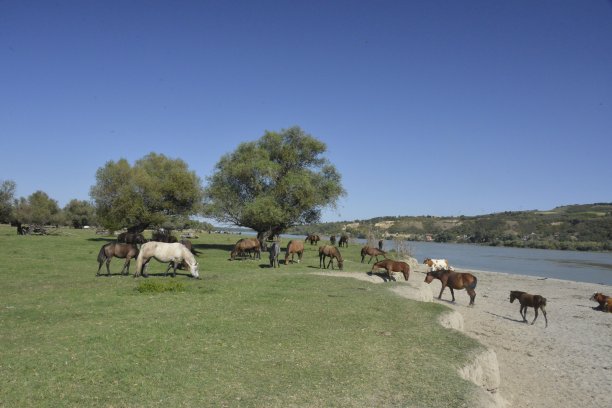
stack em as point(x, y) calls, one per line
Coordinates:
point(567, 364)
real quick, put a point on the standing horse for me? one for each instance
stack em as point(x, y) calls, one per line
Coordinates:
point(119, 250)
point(393, 266)
point(294, 247)
point(166, 252)
point(526, 300)
point(343, 242)
point(373, 252)
point(454, 280)
point(331, 252)
point(313, 238)
point(332, 240)
point(274, 253)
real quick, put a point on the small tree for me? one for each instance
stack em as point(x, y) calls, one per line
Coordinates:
point(79, 213)
point(38, 208)
point(273, 183)
point(7, 193)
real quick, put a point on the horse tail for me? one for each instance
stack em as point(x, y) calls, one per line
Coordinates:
point(102, 253)
point(473, 284)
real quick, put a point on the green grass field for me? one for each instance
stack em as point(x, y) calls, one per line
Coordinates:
point(245, 335)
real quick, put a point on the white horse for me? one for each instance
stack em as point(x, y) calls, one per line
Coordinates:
point(165, 252)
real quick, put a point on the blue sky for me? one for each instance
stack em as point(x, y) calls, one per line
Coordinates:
point(426, 107)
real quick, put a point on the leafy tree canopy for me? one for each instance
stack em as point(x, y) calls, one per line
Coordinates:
point(155, 191)
point(79, 213)
point(38, 208)
point(7, 193)
point(273, 183)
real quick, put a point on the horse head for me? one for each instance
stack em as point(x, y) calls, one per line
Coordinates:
point(430, 277)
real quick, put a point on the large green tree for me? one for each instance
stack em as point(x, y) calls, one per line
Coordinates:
point(273, 183)
point(153, 192)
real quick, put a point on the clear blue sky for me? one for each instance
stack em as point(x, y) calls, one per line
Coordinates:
point(426, 107)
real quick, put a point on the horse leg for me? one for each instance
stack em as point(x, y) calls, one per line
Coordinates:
point(544, 313)
point(170, 264)
point(176, 264)
point(99, 267)
point(126, 264)
point(331, 262)
point(536, 314)
point(524, 312)
point(107, 266)
point(441, 290)
point(472, 294)
point(452, 292)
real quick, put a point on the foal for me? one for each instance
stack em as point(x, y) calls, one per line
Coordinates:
point(527, 300)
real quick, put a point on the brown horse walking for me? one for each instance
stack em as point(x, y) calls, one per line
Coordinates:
point(393, 266)
point(118, 250)
point(373, 252)
point(454, 280)
point(295, 246)
point(526, 300)
point(331, 252)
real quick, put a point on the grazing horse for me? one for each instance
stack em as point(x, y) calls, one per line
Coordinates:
point(274, 253)
point(119, 250)
point(605, 302)
point(454, 280)
point(331, 252)
point(246, 245)
point(526, 300)
point(294, 247)
point(166, 252)
point(343, 242)
point(393, 266)
point(131, 238)
point(373, 252)
point(313, 238)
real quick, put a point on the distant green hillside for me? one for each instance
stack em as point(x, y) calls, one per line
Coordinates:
point(584, 227)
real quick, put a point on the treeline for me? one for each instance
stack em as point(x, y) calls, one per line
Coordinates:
point(586, 227)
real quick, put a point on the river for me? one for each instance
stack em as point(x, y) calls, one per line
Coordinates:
point(592, 267)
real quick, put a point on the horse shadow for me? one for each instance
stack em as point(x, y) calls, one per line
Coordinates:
point(383, 276)
point(99, 239)
point(506, 317)
point(221, 247)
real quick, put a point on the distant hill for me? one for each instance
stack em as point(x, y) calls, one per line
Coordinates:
point(585, 227)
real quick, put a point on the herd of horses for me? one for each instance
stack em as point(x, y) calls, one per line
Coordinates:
point(181, 254)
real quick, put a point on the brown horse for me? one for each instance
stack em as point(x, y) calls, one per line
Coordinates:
point(246, 245)
point(332, 240)
point(294, 247)
point(526, 300)
point(373, 252)
point(118, 250)
point(393, 266)
point(331, 252)
point(131, 238)
point(454, 280)
point(605, 302)
point(313, 238)
point(343, 241)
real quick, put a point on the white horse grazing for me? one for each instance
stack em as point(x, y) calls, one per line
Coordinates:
point(165, 252)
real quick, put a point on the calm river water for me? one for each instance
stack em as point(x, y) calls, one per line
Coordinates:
point(593, 267)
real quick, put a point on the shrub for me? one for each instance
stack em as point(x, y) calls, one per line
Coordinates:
point(157, 286)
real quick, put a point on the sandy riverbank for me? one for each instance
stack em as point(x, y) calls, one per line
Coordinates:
point(567, 364)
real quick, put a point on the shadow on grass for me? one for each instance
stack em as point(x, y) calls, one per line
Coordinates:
point(100, 239)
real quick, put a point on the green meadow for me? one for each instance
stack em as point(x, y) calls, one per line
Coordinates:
point(245, 335)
